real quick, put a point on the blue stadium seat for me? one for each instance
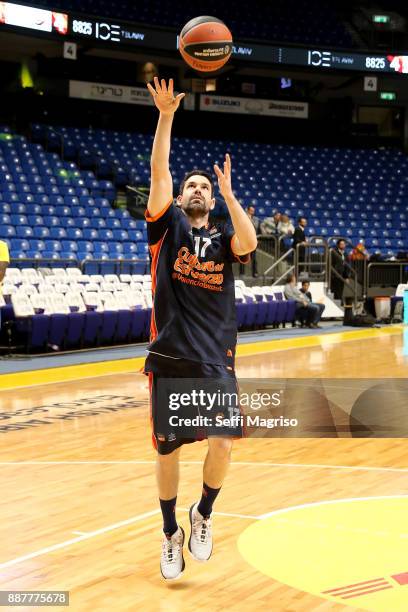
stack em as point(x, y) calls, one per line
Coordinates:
point(85, 246)
point(90, 233)
point(100, 247)
point(7, 230)
point(74, 233)
point(41, 232)
point(58, 232)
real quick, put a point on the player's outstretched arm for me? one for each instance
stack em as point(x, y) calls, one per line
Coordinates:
point(245, 240)
point(161, 188)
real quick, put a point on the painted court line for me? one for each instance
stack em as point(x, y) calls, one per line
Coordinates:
point(140, 517)
point(239, 463)
point(91, 534)
point(327, 502)
point(81, 538)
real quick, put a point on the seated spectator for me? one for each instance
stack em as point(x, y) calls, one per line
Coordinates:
point(305, 289)
point(307, 312)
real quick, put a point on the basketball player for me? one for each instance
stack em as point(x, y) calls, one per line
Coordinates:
point(193, 328)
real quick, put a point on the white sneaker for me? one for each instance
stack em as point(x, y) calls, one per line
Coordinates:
point(172, 560)
point(200, 543)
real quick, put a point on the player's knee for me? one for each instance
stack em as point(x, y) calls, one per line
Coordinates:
point(221, 447)
point(168, 458)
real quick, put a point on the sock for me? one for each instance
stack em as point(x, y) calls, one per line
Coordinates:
point(168, 508)
point(207, 499)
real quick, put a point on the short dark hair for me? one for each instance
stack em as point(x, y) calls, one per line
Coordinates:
point(289, 277)
point(340, 240)
point(198, 172)
point(300, 218)
point(305, 281)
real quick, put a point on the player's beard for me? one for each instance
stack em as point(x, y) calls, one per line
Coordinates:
point(196, 206)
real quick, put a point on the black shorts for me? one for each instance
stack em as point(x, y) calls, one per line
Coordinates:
point(158, 368)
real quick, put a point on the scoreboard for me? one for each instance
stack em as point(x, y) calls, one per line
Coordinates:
point(104, 31)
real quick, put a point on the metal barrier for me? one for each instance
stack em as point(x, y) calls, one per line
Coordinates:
point(274, 267)
point(136, 198)
point(269, 244)
point(386, 275)
point(315, 267)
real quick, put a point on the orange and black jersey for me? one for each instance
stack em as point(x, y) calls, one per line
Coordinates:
point(193, 314)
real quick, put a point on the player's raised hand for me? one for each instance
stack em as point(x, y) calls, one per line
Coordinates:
point(224, 178)
point(163, 96)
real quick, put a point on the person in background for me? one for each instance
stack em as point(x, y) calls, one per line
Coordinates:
point(359, 252)
point(269, 226)
point(307, 312)
point(305, 289)
point(4, 262)
point(358, 256)
point(285, 226)
point(285, 229)
point(339, 264)
point(299, 237)
point(250, 211)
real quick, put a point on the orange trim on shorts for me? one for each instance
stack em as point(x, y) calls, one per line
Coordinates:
point(244, 259)
point(154, 441)
point(150, 219)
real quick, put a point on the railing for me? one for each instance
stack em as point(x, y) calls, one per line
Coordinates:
point(268, 243)
point(396, 274)
point(353, 286)
point(138, 198)
point(315, 268)
point(286, 256)
point(353, 270)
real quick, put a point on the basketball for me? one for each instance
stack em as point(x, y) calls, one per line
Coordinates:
point(205, 43)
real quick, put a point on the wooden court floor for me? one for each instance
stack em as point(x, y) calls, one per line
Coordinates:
point(298, 523)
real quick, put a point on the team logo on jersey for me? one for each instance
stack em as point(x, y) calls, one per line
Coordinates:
point(188, 269)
